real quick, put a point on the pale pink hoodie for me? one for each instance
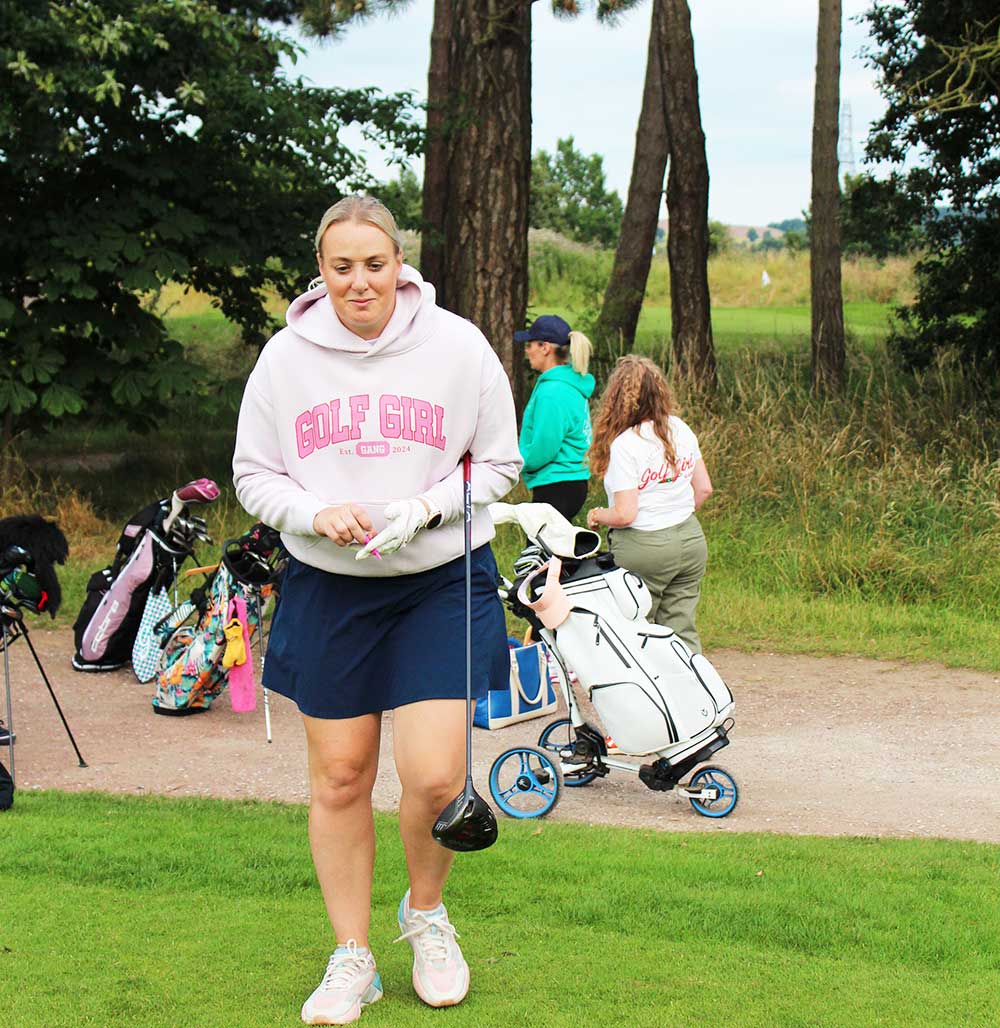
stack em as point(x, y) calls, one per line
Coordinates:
point(329, 417)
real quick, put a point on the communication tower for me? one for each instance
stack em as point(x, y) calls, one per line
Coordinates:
point(845, 141)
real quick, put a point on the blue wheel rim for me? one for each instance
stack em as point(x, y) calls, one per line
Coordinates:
point(728, 793)
point(524, 765)
point(570, 780)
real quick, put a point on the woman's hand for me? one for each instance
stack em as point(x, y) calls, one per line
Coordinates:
point(345, 524)
point(621, 515)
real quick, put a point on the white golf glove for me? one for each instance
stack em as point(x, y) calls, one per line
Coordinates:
point(404, 518)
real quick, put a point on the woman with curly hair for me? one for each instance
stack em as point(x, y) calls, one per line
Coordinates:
point(656, 479)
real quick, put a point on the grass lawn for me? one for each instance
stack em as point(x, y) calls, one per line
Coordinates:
point(152, 912)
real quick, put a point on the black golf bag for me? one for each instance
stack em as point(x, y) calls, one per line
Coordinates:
point(6, 789)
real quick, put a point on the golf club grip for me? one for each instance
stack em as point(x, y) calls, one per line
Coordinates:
point(467, 489)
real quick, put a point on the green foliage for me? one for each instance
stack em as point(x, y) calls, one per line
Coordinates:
point(789, 225)
point(878, 217)
point(769, 244)
point(566, 275)
point(142, 142)
point(404, 197)
point(568, 195)
point(796, 240)
point(327, 18)
point(752, 234)
point(958, 303)
point(719, 240)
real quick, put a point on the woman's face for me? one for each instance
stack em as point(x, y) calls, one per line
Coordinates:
point(360, 268)
point(538, 354)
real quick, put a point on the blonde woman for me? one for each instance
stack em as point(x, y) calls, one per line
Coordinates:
point(555, 429)
point(350, 441)
point(655, 479)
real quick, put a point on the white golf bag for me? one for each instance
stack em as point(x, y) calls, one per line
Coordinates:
point(651, 693)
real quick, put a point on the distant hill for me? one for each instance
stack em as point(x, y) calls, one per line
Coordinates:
point(740, 233)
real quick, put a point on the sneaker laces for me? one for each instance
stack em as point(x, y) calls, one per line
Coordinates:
point(433, 944)
point(344, 966)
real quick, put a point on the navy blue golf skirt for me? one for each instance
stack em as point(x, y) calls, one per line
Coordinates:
point(342, 646)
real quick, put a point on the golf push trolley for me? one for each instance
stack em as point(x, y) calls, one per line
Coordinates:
point(653, 696)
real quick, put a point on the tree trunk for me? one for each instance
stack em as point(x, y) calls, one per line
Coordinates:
point(615, 332)
point(825, 288)
point(687, 201)
point(435, 192)
point(489, 173)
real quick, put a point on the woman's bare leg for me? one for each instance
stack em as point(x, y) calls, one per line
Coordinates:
point(343, 761)
point(429, 743)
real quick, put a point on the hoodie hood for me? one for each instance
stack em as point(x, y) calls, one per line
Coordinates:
point(312, 317)
point(564, 373)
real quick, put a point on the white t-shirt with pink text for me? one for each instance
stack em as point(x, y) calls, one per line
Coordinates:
point(666, 496)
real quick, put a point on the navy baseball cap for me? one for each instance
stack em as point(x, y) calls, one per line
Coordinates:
point(549, 328)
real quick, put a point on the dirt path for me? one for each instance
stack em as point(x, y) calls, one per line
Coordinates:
point(829, 746)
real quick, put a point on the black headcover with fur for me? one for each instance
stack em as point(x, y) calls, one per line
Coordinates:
point(46, 544)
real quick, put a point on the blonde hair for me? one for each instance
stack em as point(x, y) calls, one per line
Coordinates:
point(637, 391)
point(364, 209)
point(579, 352)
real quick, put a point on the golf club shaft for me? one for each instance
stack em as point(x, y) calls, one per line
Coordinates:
point(6, 677)
point(260, 645)
point(467, 482)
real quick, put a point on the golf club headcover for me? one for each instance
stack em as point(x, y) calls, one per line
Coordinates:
point(404, 518)
point(553, 606)
point(542, 523)
point(201, 490)
point(242, 690)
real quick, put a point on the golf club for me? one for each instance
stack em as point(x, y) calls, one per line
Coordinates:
point(260, 644)
point(202, 490)
point(468, 822)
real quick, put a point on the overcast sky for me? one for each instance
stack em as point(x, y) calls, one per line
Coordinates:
point(756, 64)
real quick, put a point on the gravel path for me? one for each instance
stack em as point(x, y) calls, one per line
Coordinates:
point(827, 746)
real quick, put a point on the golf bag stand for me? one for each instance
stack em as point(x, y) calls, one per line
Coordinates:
point(12, 627)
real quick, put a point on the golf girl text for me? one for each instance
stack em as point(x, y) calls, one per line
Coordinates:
point(400, 417)
point(684, 469)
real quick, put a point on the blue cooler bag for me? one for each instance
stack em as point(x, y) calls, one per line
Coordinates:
point(529, 692)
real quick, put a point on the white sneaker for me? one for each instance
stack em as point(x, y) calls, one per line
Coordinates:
point(350, 983)
point(440, 973)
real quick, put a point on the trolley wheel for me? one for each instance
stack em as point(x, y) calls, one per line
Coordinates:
point(548, 741)
point(525, 782)
point(724, 782)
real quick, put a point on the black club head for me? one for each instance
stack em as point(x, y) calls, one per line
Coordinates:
point(466, 824)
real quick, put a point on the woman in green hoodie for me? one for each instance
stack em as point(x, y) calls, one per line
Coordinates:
point(555, 429)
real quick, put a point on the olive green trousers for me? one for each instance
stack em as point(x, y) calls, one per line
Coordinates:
point(671, 561)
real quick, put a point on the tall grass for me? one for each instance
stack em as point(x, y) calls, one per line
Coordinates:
point(889, 492)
